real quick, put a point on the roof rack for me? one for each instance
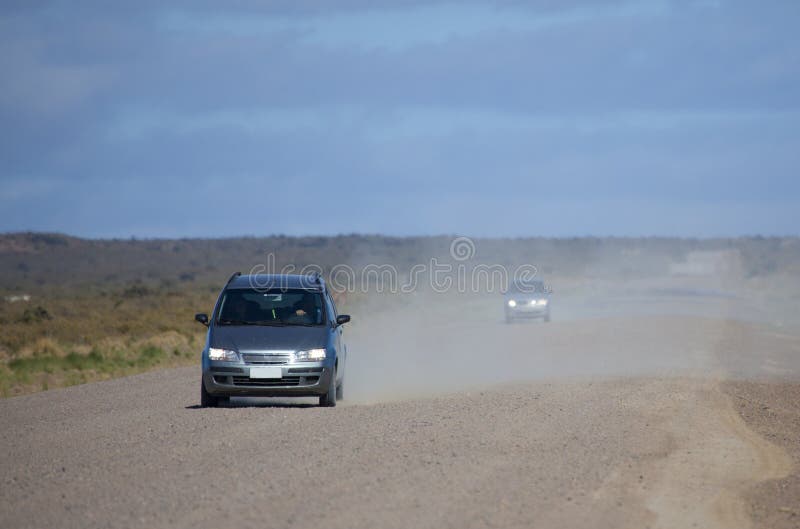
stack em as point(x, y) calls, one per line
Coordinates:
point(234, 276)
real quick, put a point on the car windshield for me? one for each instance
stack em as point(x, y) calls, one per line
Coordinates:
point(271, 307)
point(527, 287)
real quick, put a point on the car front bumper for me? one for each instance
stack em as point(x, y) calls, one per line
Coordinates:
point(297, 379)
point(528, 311)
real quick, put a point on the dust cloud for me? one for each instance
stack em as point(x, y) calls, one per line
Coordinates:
point(608, 320)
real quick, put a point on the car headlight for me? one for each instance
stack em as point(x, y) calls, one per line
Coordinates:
point(542, 302)
point(224, 355)
point(534, 302)
point(312, 355)
point(512, 303)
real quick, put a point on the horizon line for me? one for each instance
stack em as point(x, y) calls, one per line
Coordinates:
point(4, 234)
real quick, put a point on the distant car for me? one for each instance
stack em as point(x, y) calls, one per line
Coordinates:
point(527, 300)
point(273, 335)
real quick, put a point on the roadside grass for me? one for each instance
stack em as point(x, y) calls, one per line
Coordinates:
point(49, 370)
point(109, 362)
point(85, 317)
point(70, 335)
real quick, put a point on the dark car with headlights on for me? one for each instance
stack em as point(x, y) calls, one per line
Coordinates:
point(273, 335)
point(527, 300)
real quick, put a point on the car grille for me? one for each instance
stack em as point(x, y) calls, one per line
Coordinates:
point(266, 359)
point(253, 382)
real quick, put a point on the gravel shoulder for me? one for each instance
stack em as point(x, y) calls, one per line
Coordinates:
point(772, 409)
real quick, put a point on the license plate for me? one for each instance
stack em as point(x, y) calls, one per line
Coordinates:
point(266, 372)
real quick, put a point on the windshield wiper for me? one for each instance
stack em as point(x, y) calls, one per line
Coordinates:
point(234, 322)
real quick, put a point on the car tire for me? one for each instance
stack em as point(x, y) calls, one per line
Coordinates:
point(207, 400)
point(328, 400)
point(509, 319)
point(547, 318)
point(340, 391)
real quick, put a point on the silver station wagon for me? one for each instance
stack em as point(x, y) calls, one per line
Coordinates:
point(273, 335)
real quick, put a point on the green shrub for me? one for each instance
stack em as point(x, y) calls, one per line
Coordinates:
point(35, 314)
point(150, 356)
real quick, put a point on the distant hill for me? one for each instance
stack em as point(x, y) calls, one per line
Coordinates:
point(29, 261)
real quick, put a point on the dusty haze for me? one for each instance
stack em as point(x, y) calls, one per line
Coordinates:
point(675, 319)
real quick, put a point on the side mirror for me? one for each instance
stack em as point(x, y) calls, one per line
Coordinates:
point(202, 318)
point(342, 319)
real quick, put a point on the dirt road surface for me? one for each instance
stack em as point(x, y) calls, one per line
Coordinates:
point(585, 422)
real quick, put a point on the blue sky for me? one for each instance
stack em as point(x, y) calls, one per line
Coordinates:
point(498, 118)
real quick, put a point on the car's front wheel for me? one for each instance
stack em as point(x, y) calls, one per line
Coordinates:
point(329, 398)
point(207, 400)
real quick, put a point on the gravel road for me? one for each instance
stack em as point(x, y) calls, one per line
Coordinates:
point(614, 422)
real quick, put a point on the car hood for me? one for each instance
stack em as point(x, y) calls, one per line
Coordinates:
point(265, 338)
